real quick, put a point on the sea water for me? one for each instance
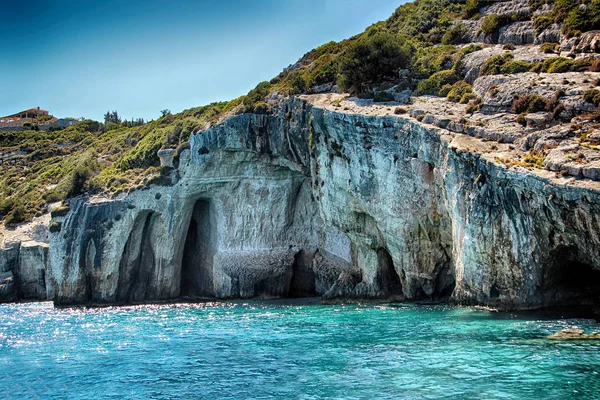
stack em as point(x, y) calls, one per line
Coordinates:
point(290, 351)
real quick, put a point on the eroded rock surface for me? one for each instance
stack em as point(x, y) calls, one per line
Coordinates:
point(347, 202)
point(24, 261)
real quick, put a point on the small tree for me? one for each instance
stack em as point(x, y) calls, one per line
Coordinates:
point(373, 59)
point(165, 112)
point(112, 116)
point(256, 95)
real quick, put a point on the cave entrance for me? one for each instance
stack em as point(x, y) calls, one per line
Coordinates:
point(445, 282)
point(569, 281)
point(302, 283)
point(387, 277)
point(198, 253)
point(137, 264)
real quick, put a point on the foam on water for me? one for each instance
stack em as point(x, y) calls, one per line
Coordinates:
point(278, 350)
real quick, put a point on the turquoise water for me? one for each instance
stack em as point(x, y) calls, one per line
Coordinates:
point(274, 350)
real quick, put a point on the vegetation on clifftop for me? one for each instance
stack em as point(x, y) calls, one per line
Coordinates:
point(45, 167)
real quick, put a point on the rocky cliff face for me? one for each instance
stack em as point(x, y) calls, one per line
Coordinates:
point(235, 220)
point(450, 220)
point(311, 201)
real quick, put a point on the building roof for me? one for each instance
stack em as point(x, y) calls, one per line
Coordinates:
point(34, 110)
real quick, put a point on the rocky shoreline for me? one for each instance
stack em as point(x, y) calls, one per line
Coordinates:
point(319, 201)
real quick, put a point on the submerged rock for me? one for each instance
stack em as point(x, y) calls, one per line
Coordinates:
point(574, 334)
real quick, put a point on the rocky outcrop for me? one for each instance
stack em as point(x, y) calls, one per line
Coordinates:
point(472, 62)
point(518, 33)
point(310, 201)
point(232, 222)
point(519, 7)
point(588, 42)
point(23, 267)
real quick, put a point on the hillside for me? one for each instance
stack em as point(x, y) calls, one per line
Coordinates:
point(519, 75)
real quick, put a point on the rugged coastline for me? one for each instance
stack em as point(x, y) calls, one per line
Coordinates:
point(312, 201)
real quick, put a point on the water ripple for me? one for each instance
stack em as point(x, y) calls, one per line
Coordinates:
point(270, 350)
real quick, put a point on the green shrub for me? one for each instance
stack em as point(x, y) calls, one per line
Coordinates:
point(467, 97)
point(143, 154)
point(383, 97)
point(55, 227)
point(493, 22)
point(500, 64)
point(558, 65)
point(17, 215)
point(470, 10)
point(324, 71)
point(421, 17)
point(444, 90)
point(592, 96)
point(536, 4)
point(79, 181)
point(504, 64)
point(474, 105)
point(515, 67)
point(455, 34)
point(6, 205)
point(562, 9)
point(460, 91)
point(561, 64)
point(549, 48)
point(435, 82)
point(432, 59)
point(60, 211)
point(262, 108)
point(542, 22)
point(298, 85)
point(87, 125)
point(172, 138)
point(530, 103)
point(373, 59)
point(468, 50)
point(255, 95)
point(582, 19)
point(493, 65)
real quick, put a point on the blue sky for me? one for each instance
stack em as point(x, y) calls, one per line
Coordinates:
point(81, 58)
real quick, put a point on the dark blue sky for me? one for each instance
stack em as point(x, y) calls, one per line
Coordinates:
point(81, 58)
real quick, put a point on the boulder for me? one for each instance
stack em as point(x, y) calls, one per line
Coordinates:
point(166, 157)
point(588, 42)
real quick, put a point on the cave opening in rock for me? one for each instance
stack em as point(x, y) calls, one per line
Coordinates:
point(445, 282)
point(137, 262)
point(198, 253)
point(569, 281)
point(387, 277)
point(303, 282)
